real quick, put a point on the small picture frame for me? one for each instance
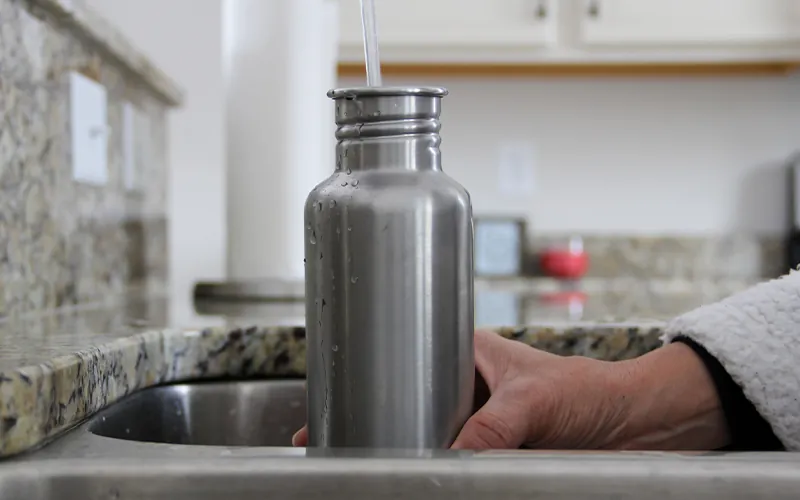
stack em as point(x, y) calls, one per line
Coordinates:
point(499, 246)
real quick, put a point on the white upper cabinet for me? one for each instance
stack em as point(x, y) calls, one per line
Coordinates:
point(576, 31)
point(690, 22)
point(454, 29)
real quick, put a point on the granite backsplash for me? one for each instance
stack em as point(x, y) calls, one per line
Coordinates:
point(63, 242)
point(712, 258)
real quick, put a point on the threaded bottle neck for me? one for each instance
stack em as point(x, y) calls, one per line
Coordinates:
point(388, 127)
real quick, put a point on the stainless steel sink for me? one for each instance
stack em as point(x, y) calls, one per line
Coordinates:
point(252, 413)
point(528, 476)
point(223, 440)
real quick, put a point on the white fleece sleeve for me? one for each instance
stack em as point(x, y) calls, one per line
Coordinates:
point(755, 335)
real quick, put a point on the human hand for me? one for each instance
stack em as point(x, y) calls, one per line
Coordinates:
point(663, 400)
point(539, 400)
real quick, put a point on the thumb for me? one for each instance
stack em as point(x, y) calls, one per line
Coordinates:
point(300, 438)
point(491, 356)
point(499, 424)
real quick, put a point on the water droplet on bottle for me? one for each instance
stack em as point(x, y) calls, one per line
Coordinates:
point(338, 230)
point(349, 228)
point(320, 256)
point(319, 207)
point(335, 348)
point(346, 151)
point(355, 183)
point(349, 171)
point(344, 184)
point(333, 203)
point(323, 307)
point(308, 226)
point(304, 261)
point(377, 113)
point(313, 238)
point(354, 280)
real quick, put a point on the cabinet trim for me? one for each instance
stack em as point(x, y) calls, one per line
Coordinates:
point(347, 69)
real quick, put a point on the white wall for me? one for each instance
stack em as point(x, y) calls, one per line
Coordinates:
point(184, 38)
point(620, 155)
point(627, 155)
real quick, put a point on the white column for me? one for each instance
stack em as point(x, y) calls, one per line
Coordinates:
point(280, 62)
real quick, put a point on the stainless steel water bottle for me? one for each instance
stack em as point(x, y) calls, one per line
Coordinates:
point(389, 280)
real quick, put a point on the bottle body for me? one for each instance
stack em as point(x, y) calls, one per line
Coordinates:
point(389, 297)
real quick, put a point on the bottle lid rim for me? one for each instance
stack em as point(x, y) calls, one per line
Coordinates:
point(353, 92)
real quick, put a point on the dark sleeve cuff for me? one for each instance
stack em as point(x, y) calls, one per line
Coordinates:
point(747, 428)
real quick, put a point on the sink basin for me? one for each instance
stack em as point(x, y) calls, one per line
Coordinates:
point(251, 413)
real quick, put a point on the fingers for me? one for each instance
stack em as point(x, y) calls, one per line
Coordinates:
point(491, 358)
point(498, 425)
point(300, 438)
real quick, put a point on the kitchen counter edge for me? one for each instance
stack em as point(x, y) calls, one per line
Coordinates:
point(39, 402)
point(94, 28)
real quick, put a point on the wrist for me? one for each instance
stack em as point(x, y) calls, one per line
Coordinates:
point(669, 402)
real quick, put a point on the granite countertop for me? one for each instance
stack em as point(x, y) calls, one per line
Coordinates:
point(58, 369)
point(103, 35)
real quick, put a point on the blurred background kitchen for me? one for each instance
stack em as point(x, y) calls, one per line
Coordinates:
point(626, 158)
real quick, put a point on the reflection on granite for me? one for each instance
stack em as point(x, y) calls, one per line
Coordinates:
point(734, 256)
point(535, 301)
point(64, 242)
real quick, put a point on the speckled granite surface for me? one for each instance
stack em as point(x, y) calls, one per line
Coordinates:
point(56, 370)
point(99, 33)
point(64, 242)
point(674, 257)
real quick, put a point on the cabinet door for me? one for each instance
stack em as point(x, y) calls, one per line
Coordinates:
point(682, 22)
point(423, 24)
